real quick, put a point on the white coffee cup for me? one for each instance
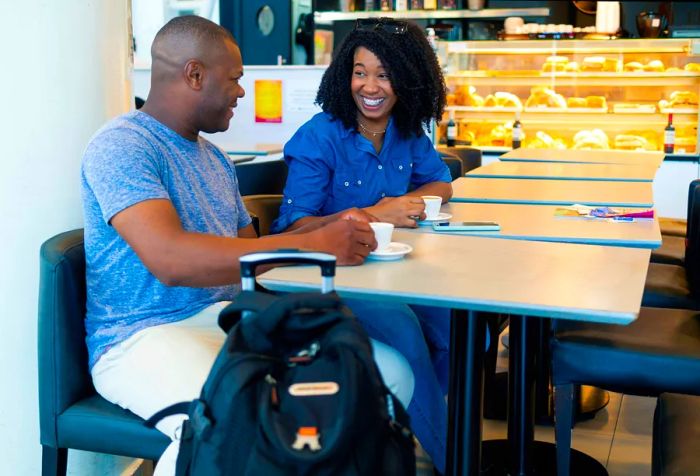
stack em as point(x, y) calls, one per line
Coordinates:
point(432, 206)
point(382, 233)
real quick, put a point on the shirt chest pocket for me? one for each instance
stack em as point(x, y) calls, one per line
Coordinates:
point(349, 189)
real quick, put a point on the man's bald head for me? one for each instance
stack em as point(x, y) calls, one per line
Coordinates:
point(186, 38)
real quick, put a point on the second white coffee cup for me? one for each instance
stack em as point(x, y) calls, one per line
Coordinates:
point(432, 206)
point(382, 233)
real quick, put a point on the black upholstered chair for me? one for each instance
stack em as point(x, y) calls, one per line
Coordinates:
point(675, 286)
point(262, 177)
point(673, 233)
point(659, 352)
point(674, 450)
point(470, 157)
point(71, 413)
point(454, 164)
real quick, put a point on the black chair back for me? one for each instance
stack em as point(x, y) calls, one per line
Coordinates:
point(470, 157)
point(259, 178)
point(454, 164)
point(692, 250)
point(63, 360)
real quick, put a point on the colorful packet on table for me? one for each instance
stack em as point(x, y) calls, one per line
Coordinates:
point(607, 212)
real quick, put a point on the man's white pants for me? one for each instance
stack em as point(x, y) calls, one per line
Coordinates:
point(166, 364)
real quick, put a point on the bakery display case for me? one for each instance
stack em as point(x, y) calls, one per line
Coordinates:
point(576, 94)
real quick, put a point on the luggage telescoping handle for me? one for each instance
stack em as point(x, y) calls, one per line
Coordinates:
point(287, 256)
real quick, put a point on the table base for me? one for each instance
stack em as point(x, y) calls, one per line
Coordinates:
point(591, 401)
point(495, 461)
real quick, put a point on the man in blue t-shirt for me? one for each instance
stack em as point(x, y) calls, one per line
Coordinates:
point(165, 226)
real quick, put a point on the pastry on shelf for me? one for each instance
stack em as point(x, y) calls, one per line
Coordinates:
point(555, 64)
point(541, 96)
point(692, 67)
point(451, 99)
point(501, 135)
point(464, 135)
point(673, 69)
point(612, 65)
point(655, 66)
point(596, 102)
point(680, 99)
point(576, 102)
point(686, 138)
point(591, 139)
point(633, 67)
point(503, 99)
point(467, 96)
point(600, 64)
point(633, 142)
point(686, 144)
point(593, 63)
point(543, 140)
point(572, 67)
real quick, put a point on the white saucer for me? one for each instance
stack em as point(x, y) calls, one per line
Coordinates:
point(439, 217)
point(394, 251)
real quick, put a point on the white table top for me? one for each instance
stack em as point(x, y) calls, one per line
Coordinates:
point(553, 192)
point(565, 171)
point(557, 280)
point(586, 156)
point(539, 223)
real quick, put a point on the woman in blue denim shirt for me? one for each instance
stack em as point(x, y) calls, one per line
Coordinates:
point(368, 150)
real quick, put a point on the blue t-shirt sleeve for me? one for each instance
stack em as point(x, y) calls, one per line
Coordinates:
point(308, 179)
point(122, 170)
point(427, 165)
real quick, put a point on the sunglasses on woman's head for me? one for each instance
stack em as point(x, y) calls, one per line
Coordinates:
point(388, 25)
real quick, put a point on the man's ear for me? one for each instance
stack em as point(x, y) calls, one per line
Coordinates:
point(194, 74)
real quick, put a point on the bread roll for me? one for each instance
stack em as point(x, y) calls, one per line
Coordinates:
point(692, 67)
point(634, 67)
point(683, 98)
point(655, 66)
point(596, 102)
point(631, 142)
point(467, 96)
point(576, 102)
point(499, 135)
point(612, 65)
point(593, 63)
point(544, 97)
point(572, 67)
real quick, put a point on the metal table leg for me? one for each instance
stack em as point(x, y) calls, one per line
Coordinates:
point(468, 337)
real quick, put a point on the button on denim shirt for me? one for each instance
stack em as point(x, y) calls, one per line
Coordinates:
point(333, 168)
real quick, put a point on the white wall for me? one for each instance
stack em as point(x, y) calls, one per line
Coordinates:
point(299, 87)
point(66, 72)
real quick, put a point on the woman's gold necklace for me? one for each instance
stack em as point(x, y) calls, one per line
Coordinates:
point(368, 131)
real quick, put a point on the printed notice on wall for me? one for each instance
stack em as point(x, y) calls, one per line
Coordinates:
point(268, 100)
point(300, 96)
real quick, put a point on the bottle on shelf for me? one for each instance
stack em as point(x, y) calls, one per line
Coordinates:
point(386, 5)
point(517, 131)
point(451, 130)
point(370, 5)
point(669, 136)
point(416, 4)
point(400, 5)
point(429, 4)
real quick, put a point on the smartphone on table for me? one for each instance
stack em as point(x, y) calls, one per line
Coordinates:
point(466, 226)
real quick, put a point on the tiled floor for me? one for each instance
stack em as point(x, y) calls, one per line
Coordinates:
point(619, 436)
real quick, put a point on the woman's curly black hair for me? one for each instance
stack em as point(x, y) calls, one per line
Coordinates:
point(413, 70)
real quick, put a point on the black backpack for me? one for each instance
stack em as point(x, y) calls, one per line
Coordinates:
point(294, 391)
